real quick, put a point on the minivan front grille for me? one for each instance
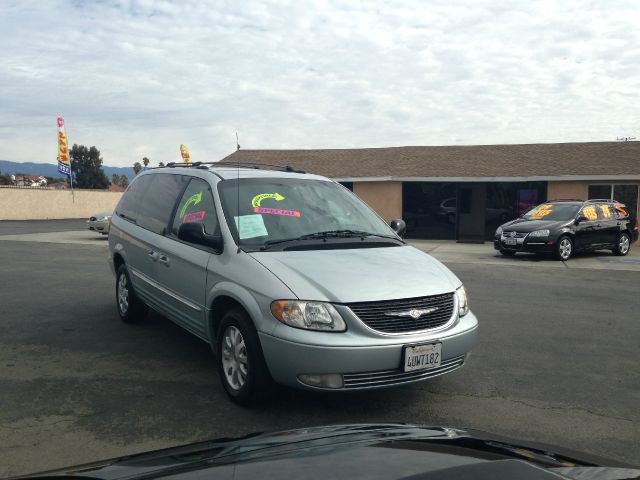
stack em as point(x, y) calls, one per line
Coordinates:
point(392, 316)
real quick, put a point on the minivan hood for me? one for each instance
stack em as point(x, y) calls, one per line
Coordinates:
point(526, 226)
point(359, 275)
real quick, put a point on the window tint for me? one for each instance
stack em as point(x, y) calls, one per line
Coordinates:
point(607, 212)
point(196, 205)
point(129, 205)
point(591, 212)
point(158, 201)
point(599, 191)
point(627, 195)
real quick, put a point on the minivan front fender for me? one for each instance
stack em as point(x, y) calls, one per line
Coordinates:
point(225, 295)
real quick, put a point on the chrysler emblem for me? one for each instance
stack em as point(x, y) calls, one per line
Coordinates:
point(414, 313)
point(513, 234)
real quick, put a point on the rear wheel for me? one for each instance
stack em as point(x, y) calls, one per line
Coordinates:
point(130, 308)
point(564, 248)
point(243, 370)
point(623, 245)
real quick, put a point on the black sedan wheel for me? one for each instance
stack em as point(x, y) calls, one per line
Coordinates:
point(564, 248)
point(623, 245)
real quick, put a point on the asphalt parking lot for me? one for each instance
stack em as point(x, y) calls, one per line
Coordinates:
point(557, 360)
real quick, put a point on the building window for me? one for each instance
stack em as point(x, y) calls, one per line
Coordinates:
point(627, 194)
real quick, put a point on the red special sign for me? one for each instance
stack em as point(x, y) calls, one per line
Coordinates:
point(194, 217)
point(277, 211)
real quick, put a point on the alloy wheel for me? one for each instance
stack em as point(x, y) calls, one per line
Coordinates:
point(234, 358)
point(565, 248)
point(123, 294)
point(623, 244)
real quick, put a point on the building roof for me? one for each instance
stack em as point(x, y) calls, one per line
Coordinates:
point(543, 161)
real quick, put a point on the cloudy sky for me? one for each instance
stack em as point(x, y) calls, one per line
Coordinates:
point(138, 77)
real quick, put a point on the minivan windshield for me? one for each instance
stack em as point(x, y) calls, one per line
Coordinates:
point(266, 211)
point(553, 211)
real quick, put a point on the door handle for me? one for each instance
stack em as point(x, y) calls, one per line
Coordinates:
point(154, 255)
point(164, 260)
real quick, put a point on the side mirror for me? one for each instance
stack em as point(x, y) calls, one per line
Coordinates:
point(580, 219)
point(399, 226)
point(193, 232)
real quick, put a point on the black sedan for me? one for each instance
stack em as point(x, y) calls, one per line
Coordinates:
point(562, 227)
point(357, 451)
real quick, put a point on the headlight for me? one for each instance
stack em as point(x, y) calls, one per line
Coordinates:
point(308, 315)
point(539, 233)
point(106, 218)
point(463, 302)
point(498, 232)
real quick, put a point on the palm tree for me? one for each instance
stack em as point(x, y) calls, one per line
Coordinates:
point(161, 164)
point(137, 167)
point(145, 161)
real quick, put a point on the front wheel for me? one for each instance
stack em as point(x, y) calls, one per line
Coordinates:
point(623, 245)
point(130, 308)
point(564, 248)
point(243, 370)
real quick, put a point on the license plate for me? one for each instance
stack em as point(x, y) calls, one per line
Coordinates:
point(510, 241)
point(422, 357)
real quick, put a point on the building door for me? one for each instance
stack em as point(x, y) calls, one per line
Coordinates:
point(471, 202)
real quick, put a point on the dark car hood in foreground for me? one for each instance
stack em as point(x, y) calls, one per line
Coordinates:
point(358, 451)
point(526, 226)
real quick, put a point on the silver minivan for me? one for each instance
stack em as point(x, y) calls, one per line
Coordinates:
point(289, 277)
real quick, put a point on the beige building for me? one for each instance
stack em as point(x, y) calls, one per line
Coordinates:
point(465, 192)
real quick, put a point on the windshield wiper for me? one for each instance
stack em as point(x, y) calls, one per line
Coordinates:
point(328, 234)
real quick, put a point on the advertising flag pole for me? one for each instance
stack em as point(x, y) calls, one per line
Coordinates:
point(64, 162)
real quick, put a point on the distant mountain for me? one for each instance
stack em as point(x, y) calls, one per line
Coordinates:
point(51, 170)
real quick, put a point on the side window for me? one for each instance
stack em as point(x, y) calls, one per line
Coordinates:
point(158, 201)
point(606, 211)
point(590, 212)
point(129, 205)
point(196, 205)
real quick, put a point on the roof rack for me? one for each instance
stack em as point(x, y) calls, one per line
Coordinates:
point(258, 166)
point(284, 168)
point(564, 200)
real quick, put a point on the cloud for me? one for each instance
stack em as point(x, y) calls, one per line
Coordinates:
point(137, 78)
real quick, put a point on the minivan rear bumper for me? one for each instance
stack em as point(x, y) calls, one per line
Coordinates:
point(362, 367)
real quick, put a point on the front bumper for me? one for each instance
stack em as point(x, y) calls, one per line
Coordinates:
point(525, 244)
point(374, 364)
point(100, 226)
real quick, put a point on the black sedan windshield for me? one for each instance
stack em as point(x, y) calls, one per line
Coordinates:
point(271, 210)
point(553, 211)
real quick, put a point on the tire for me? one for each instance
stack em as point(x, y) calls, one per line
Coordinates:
point(623, 245)
point(507, 253)
point(241, 365)
point(130, 308)
point(564, 248)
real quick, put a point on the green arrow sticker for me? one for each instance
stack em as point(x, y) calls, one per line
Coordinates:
point(257, 200)
point(192, 200)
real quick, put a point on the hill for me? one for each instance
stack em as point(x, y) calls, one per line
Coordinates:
point(51, 170)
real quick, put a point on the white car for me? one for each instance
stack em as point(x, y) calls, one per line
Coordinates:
point(100, 222)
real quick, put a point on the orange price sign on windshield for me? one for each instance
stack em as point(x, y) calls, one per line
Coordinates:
point(542, 211)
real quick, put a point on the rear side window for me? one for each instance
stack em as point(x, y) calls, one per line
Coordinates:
point(158, 201)
point(196, 205)
point(129, 205)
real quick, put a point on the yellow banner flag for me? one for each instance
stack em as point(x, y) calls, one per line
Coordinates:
point(185, 153)
point(64, 165)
